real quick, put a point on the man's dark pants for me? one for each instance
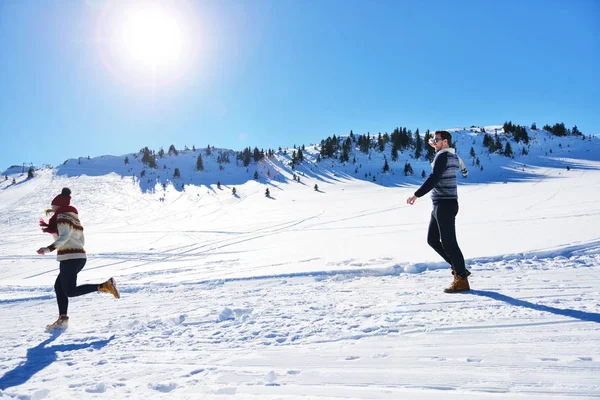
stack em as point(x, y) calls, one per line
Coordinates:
point(442, 234)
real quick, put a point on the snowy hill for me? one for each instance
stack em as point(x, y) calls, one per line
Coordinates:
point(544, 150)
point(328, 294)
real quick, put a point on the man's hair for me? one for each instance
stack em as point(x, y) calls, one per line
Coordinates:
point(445, 135)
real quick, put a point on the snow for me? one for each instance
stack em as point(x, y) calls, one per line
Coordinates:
point(329, 294)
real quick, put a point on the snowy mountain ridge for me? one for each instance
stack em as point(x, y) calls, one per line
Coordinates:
point(544, 150)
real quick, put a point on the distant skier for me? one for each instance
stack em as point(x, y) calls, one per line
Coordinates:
point(66, 228)
point(442, 230)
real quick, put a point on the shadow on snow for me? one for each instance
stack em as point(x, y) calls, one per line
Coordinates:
point(42, 356)
point(581, 315)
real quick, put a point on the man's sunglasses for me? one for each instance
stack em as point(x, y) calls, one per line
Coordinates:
point(435, 140)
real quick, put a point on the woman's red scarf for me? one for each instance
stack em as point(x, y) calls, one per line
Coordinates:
point(51, 226)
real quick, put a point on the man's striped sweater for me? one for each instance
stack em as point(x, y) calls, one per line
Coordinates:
point(442, 180)
point(70, 240)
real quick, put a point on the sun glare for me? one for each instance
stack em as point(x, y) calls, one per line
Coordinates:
point(148, 43)
point(152, 38)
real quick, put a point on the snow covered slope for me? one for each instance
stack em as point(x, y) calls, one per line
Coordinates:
point(328, 294)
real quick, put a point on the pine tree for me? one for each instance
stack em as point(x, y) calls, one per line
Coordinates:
point(508, 150)
point(386, 166)
point(394, 152)
point(408, 171)
point(246, 156)
point(218, 184)
point(126, 160)
point(176, 173)
point(199, 163)
point(344, 156)
point(173, 150)
point(255, 174)
point(488, 142)
point(534, 127)
point(423, 174)
point(418, 145)
point(208, 151)
point(143, 173)
point(472, 152)
point(257, 155)
point(497, 143)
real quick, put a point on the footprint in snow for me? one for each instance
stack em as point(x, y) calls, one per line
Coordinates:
point(98, 388)
point(163, 387)
point(270, 379)
point(226, 314)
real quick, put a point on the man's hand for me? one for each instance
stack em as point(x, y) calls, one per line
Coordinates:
point(41, 251)
point(411, 200)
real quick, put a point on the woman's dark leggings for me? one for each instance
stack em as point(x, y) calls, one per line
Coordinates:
point(66, 283)
point(442, 234)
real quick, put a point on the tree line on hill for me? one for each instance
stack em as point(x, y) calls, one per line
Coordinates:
point(400, 140)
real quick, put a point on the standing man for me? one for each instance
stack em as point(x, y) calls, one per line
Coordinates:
point(442, 230)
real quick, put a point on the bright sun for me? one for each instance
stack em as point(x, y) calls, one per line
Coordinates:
point(152, 38)
point(148, 42)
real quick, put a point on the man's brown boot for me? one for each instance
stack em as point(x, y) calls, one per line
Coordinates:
point(458, 285)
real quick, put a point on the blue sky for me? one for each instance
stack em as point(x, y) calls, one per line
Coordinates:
point(278, 73)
